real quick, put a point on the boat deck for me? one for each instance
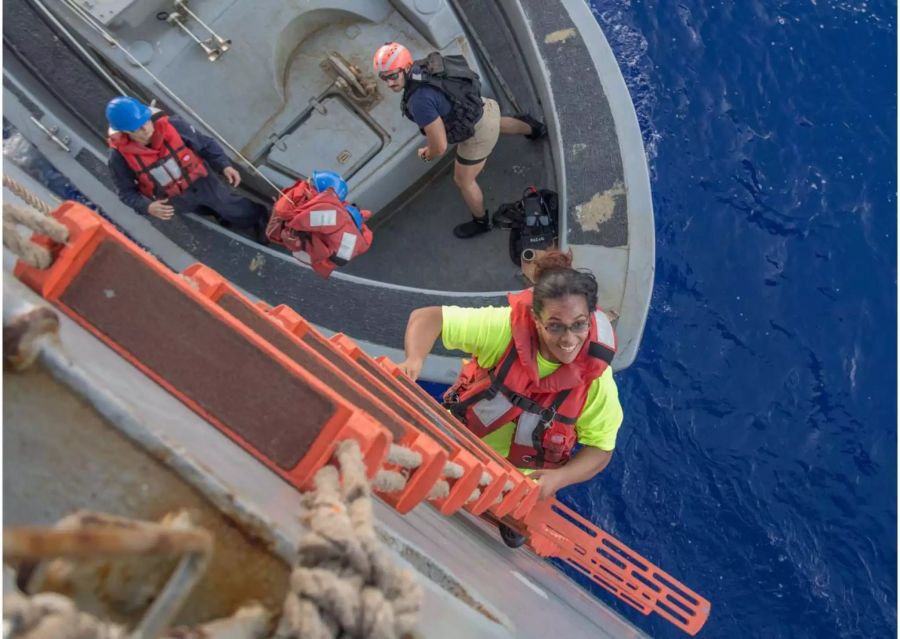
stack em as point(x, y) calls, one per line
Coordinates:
point(414, 243)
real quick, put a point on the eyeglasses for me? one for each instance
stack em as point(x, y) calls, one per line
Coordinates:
point(558, 329)
point(389, 77)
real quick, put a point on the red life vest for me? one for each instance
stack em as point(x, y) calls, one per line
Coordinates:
point(317, 228)
point(165, 167)
point(545, 410)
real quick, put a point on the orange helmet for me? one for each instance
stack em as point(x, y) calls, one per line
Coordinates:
point(390, 57)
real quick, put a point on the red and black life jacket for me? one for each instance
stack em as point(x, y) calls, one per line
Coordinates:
point(544, 410)
point(318, 228)
point(163, 168)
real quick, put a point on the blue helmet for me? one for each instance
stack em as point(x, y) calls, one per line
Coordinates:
point(127, 114)
point(324, 179)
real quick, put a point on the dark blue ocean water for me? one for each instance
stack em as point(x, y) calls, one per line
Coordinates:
point(758, 458)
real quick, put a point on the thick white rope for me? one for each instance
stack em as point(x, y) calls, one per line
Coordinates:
point(33, 255)
point(36, 221)
point(440, 490)
point(403, 457)
point(484, 481)
point(452, 470)
point(393, 481)
point(344, 584)
point(30, 253)
point(508, 486)
point(389, 481)
point(49, 615)
point(27, 196)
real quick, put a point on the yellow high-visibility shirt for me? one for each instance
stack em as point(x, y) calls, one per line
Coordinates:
point(486, 333)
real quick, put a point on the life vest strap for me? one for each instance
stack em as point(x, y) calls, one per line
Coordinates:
point(537, 437)
point(547, 413)
point(145, 168)
point(600, 351)
point(158, 189)
point(458, 408)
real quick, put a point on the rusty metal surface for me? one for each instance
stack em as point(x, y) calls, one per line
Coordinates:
point(60, 456)
point(91, 534)
point(22, 335)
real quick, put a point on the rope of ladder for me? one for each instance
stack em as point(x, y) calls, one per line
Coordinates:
point(20, 244)
point(34, 216)
point(343, 585)
point(27, 196)
point(392, 481)
point(48, 615)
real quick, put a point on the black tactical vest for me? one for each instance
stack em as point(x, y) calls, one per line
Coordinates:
point(452, 76)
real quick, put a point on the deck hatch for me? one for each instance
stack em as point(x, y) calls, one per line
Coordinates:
point(332, 138)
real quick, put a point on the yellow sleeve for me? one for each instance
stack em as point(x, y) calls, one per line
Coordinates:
point(599, 422)
point(482, 332)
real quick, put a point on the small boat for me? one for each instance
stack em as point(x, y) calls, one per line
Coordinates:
point(288, 89)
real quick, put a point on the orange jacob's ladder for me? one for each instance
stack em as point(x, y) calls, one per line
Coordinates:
point(207, 344)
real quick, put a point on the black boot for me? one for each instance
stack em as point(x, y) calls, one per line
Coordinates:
point(475, 226)
point(259, 230)
point(538, 129)
point(510, 537)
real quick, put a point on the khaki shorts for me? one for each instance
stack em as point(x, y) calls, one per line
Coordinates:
point(487, 131)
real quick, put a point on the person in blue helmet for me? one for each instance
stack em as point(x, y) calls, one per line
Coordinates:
point(162, 166)
point(313, 220)
point(322, 180)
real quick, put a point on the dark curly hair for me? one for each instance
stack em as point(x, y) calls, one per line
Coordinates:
point(554, 277)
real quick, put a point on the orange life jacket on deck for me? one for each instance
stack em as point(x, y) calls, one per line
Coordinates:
point(165, 167)
point(318, 228)
point(544, 410)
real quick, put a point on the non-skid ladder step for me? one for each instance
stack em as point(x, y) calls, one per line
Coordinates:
point(520, 493)
point(465, 485)
point(418, 482)
point(557, 531)
point(517, 494)
point(238, 382)
point(500, 488)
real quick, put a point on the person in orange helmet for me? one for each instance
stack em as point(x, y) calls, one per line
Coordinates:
point(442, 95)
